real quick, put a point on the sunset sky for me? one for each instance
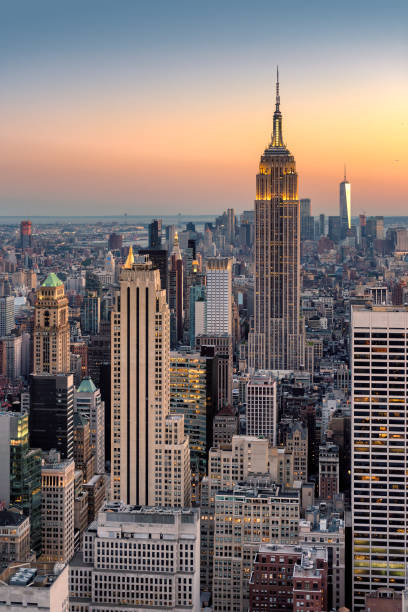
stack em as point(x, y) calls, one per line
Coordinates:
point(166, 106)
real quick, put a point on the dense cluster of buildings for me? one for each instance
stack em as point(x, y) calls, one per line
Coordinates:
point(206, 416)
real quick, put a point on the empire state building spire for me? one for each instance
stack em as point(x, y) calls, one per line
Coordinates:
point(276, 341)
point(277, 140)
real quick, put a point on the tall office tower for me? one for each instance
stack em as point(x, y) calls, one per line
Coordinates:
point(261, 511)
point(20, 476)
point(345, 206)
point(230, 225)
point(158, 567)
point(88, 402)
point(140, 393)
point(57, 488)
point(51, 328)
point(115, 242)
point(363, 223)
point(322, 225)
point(91, 314)
point(175, 291)
point(188, 396)
point(7, 321)
point(155, 231)
point(197, 312)
point(12, 349)
point(305, 207)
point(219, 348)
point(25, 234)
point(219, 296)
point(160, 260)
point(379, 447)
point(334, 229)
point(262, 407)
point(277, 339)
point(52, 412)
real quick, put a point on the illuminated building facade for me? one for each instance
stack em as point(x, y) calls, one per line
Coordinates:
point(188, 396)
point(277, 339)
point(20, 477)
point(345, 206)
point(379, 449)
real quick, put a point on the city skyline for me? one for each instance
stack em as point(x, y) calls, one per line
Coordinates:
point(94, 108)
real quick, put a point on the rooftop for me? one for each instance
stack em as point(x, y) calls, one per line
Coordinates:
point(8, 517)
point(52, 280)
point(87, 386)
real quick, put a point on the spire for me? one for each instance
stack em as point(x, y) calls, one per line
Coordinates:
point(130, 260)
point(345, 173)
point(277, 140)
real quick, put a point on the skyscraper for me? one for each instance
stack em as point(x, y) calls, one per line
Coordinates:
point(51, 328)
point(276, 340)
point(20, 476)
point(149, 449)
point(7, 321)
point(25, 234)
point(345, 205)
point(262, 408)
point(91, 313)
point(89, 404)
point(155, 231)
point(51, 413)
point(219, 296)
point(379, 449)
point(57, 487)
point(175, 296)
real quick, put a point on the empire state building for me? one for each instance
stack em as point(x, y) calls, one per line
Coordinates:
point(276, 341)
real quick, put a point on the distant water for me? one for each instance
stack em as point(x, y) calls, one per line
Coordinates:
point(108, 220)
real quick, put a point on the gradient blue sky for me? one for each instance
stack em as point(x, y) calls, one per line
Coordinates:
point(133, 106)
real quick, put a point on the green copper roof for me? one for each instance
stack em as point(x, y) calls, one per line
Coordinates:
point(52, 280)
point(86, 386)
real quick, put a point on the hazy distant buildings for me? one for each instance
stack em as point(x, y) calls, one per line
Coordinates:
point(276, 341)
point(345, 206)
point(25, 234)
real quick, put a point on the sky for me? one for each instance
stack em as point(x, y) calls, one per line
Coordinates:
point(126, 106)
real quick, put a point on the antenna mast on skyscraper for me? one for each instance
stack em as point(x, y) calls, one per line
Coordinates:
point(277, 88)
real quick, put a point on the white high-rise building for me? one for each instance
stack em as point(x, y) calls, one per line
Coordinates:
point(7, 321)
point(262, 408)
point(88, 402)
point(379, 449)
point(138, 559)
point(345, 205)
point(219, 296)
point(150, 454)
